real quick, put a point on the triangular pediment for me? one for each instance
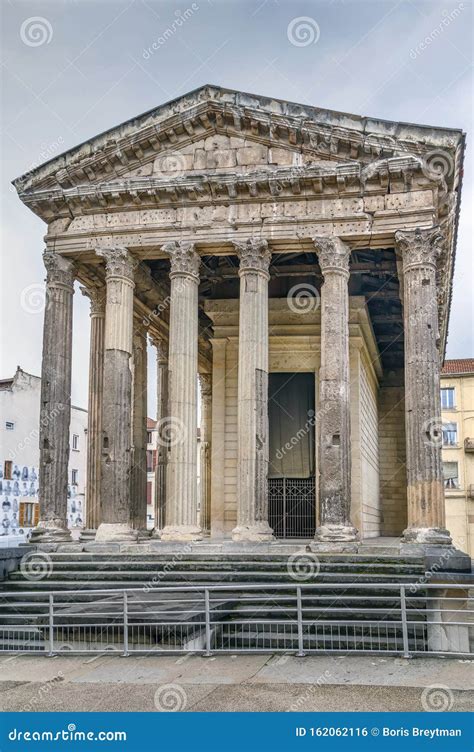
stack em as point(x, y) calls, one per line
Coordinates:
point(213, 129)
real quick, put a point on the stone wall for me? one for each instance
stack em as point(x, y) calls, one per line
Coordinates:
point(393, 484)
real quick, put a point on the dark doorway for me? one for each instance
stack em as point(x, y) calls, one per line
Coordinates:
point(291, 473)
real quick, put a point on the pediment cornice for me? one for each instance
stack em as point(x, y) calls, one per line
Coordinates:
point(349, 179)
point(323, 134)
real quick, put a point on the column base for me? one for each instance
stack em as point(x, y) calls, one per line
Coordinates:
point(87, 535)
point(181, 533)
point(48, 532)
point(336, 534)
point(260, 532)
point(430, 535)
point(113, 531)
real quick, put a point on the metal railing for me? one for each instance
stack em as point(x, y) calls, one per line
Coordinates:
point(402, 619)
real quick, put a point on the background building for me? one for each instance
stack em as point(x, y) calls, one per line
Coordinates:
point(19, 455)
point(457, 405)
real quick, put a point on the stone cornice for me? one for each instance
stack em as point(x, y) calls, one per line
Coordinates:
point(347, 179)
point(211, 110)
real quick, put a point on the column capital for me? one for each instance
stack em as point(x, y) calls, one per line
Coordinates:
point(97, 299)
point(60, 271)
point(119, 262)
point(333, 254)
point(419, 248)
point(254, 255)
point(185, 260)
point(161, 348)
point(205, 382)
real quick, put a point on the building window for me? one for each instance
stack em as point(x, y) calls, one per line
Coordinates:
point(450, 434)
point(447, 397)
point(7, 470)
point(451, 474)
point(149, 437)
point(75, 442)
point(74, 474)
point(9, 425)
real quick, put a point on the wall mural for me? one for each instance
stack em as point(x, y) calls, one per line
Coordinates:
point(23, 486)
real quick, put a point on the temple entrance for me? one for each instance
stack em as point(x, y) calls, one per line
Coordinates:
point(291, 473)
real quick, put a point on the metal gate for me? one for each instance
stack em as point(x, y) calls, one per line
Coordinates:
point(291, 507)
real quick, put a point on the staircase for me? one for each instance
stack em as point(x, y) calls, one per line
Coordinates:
point(253, 603)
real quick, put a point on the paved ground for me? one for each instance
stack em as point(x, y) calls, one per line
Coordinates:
point(229, 683)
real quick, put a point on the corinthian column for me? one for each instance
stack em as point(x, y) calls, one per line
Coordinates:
point(181, 499)
point(162, 443)
point(94, 415)
point(252, 411)
point(334, 399)
point(55, 412)
point(138, 480)
point(116, 417)
point(426, 512)
point(205, 381)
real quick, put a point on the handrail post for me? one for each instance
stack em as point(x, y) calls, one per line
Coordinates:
point(403, 610)
point(51, 625)
point(125, 624)
point(299, 613)
point(208, 622)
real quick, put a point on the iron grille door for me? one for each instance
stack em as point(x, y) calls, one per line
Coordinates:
point(291, 507)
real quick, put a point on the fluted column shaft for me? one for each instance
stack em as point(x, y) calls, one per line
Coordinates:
point(94, 416)
point(117, 403)
point(181, 501)
point(162, 414)
point(206, 426)
point(55, 412)
point(252, 411)
point(425, 492)
point(334, 395)
point(138, 484)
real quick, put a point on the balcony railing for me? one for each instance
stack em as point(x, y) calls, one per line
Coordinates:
point(406, 619)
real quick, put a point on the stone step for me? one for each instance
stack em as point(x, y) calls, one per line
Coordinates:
point(226, 556)
point(269, 566)
point(105, 579)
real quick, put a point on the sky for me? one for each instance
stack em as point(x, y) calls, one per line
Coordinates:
point(74, 68)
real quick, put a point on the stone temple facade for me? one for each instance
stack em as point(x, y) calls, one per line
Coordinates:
point(256, 243)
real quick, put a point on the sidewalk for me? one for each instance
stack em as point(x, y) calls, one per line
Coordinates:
point(231, 683)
